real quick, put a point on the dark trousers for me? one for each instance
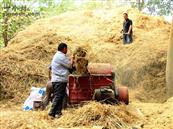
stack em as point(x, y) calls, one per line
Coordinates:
point(59, 89)
point(127, 39)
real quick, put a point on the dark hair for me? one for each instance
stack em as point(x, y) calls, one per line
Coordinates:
point(61, 46)
point(125, 14)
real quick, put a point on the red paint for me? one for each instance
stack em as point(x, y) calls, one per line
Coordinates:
point(81, 88)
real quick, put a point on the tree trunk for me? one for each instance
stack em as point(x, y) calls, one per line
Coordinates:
point(5, 31)
point(169, 67)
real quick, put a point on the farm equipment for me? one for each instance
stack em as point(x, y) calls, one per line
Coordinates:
point(98, 85)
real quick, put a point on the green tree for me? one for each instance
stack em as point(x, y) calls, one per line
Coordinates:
point(160, 7)
point(54, 8)
point(13, 18)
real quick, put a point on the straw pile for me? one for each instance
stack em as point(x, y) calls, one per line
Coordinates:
point(112, 117)
point(91, 114)
point(80, 61)
point(139, 65)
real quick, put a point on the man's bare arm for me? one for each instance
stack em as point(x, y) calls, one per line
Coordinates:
point(49, 73)
point(130, 28)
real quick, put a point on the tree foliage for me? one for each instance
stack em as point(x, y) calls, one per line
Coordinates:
point(159, 7)
point(53, 8)
point(13, 18)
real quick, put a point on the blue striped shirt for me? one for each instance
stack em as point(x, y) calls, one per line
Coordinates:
point(60, 67)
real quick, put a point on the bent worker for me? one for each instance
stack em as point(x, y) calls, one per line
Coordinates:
point(49, 95)
point(60, 66)
point(127, 29)
point(49, 91)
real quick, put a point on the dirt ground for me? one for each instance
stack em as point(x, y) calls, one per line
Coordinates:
point(139, 66)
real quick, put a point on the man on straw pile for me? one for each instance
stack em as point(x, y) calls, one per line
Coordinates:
point(60, 66)
point(127, 29)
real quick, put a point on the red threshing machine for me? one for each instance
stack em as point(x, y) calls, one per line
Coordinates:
point(98, 85)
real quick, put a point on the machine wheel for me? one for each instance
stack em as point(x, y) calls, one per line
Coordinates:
point(104, 95)
point(97, 95)
point(123, 95)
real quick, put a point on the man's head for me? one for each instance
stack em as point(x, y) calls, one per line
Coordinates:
point(62, 47)
point(125, 16)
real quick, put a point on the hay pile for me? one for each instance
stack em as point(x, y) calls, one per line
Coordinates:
point(112, 117)
point(142, 64)
point(80, 61)
point(91, 114)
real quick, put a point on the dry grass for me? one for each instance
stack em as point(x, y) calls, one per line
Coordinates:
point(96, 115)
point(156, 115)
point(91, 114)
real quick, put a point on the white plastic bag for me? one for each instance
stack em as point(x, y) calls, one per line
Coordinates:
point(35, 95)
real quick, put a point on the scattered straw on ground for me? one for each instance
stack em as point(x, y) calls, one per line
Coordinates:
point(139, 115)
point(91, 114)
point(156, 115)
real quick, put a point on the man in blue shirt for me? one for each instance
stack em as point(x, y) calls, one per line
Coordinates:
point(60, 66)
point(127, 29)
